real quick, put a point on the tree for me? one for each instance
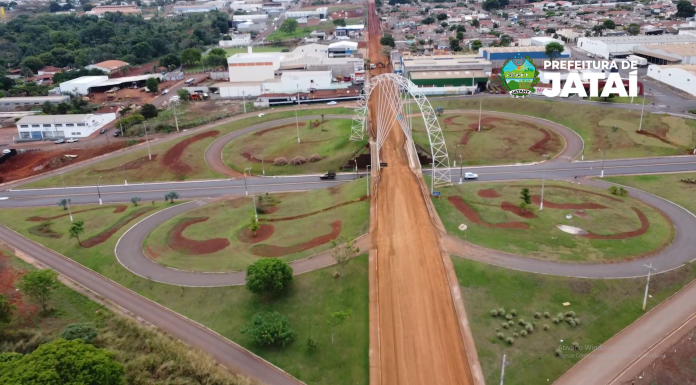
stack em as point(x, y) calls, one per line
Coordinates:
point(554, 50)
point(387, 40)
point(215, 61)
point(183, 94)
point(633, 29)
point(135, 200)
point(439, 110)
point(54, 7)
point(609, 24)
point(6, 310)
point(39, 285)
point(454, 45)
point(441, 16)
point(598, 30)
point(254, 226)
point(428, 20)
point(606, 97)
point(191, 56)
point(64, 203)
point(336, 319)
point(460, 36)
point(289, 26)
point(85, 331)
point(269, 277)
point(505, 40)
point(339, 22)
point(270, 328)
point(475, 23)
point(550, 31)
point(33, 63)
point(63, 362)
point(476, 45)
point(87, 7)
point(344, 250)
point(444, 24)
point(149, 111)
point(76, 228)
point(152, 84)
point(461, 28)
point(170, 196)
point(217, 51)
point(170, 61)
point(526, 198)
point(490, 5)
point(685, 9)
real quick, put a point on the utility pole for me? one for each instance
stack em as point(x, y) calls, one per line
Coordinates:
point(543, 180)
point(645, 298)
point(123, 167)
point(297, 124)
point(253, 199)
point(244, 101)
point(461, 168)
point(502, 371)
point(480, 107)
point(640, 125)
point(98, 192)
point(65, 195)
point(601, 175)
point(149, 154)
point(176, 120)
point(263, 167)
point(246, 192)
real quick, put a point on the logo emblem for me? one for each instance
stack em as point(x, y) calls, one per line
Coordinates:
point(519, 76)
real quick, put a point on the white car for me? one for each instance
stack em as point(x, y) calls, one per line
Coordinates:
point(72, 140)
point(59, 141)
point(332, 103)
point(470, 175)
point(261, 114)
point(165, 92)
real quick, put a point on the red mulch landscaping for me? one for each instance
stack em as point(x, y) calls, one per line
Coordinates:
point(465, 138)
point(488, 193)
point(106, 234)
point(117, 209)
point(487, 122)
point(183, 245)
point(450, 121)
point(171, 158)
point(251, 158)
point(540, 146)
point(661, 139)
point(279, 251)
point(8, 277)
point(536, 199)
point(264, 232)
point(644, 226)
point(259, 133)
point(474, 216)
point(132, 165)
point(507, 206)
point(363, 198)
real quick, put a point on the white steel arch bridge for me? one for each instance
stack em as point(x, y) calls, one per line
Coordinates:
point(400, 101)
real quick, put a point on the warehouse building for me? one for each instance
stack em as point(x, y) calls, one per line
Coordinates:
point(40, 127)
point(499, 55)
point(87, 84)
point(321, 13)
point(446, 74)
point(622, 46)
point(682, 77)
point(203, 8)
point(664, 54)
point(81, 85)
point(10, 103)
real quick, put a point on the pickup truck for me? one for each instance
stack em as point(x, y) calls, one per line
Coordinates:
point(328, 175)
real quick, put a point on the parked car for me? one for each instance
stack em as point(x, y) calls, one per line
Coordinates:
point(117, 133)
point(103, 130)
point(165, 91)
point(470, 175)
point(329, 175)
point(261, 114)
point(72, 140)
point(59, 141)
point(332, 103)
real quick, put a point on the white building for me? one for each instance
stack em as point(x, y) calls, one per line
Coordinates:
point(610, 47)
point(682, 77)
point(254, 17)
point(544, 40)
point(82, 84)
point(240, 40)
point(62, 126)
point(319, 12)
point(245, 6)
point(10, 103)
point(668, 53)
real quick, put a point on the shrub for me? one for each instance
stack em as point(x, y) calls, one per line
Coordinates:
point(515, 335)
point(513, 312)
point(521, 321)
point(510, 340)
point(281, 161)
point(613, 190)
point(577, 321)
point(508, 316)
point(546, 327)
point(547, 314)
point(529, 328)
point(560, 315)
point(311, 344)
point(505, 325)
point(510, 323)
point(556, 320)
point(269, 277)
point(314, 158)
point(576, 346)
point(501, 312)
point(500, 336)
point(537, 315)
point(298, 160)
point(270, 328)
point(494, 312)
point(572, 323)
point(86, 331)
point(523, 333)
point(570, 314)
point(559, 353)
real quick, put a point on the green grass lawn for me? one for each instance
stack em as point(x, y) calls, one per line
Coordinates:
point(542, 239)
point(603, 306)
point(300, 32)
point(151, 171)
point(228, 218)
point(330, 140)
point(500, 141)
point(230, 52)
point(593, 123)
point(668, 186)
point(227, 309)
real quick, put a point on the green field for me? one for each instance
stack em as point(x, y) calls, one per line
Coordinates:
point(668, 186)
point(228, 218)
point(500, 141)
point(603, 306)
point(300, 32)
point(151, 171)
point(590, 122)
point(542, 239)
point(226, 309)
point(330, 141)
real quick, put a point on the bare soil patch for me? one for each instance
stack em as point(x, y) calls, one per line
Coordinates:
point(117, 209)
point(183, 245)
point(488, 193)
point(644, 226)
point(507, 206)
point(536, 199)
point(540, 146)
point(132, 165)
point(474, 216)
point(264, 232)
point(8, 277)
point(172, 157)
point(279, 251)
point(120, 209)
point(267, 130)
point(106, 234)
point(44, 231)
point(363, 198)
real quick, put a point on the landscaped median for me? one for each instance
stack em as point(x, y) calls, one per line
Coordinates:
point(577, 224)
point(679, 188)
point(179, 159)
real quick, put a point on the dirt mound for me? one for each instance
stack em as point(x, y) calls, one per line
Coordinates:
point(267, 130)
point(474, 216)
point(363, 198)
point(117, 209)
point(536, 199)
point(183, 245)
point(488, 193)
point(644, 226)
point(540, 146)
point(507, 206)
point(264, 232)
point(106, 234)
point(171, 158)
point(279, 251)
point(132, 165)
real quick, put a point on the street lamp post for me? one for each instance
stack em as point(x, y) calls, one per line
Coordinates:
point(246, 192)
point(125, 181)
point(601, 175)
point(645, 298)
point(297, 123)
point(543, 182)
point(253, 199)
point(368, 179)
point(480, 107)
point(98, 192)
point(640, 125)
point(456, 148)
point(65, 195)
point(149, 153)
point(176, 120)
point(461, 168)
point(263, 167)
point(244, 101)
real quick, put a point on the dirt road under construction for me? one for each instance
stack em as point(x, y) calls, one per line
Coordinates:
point(420, 341)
